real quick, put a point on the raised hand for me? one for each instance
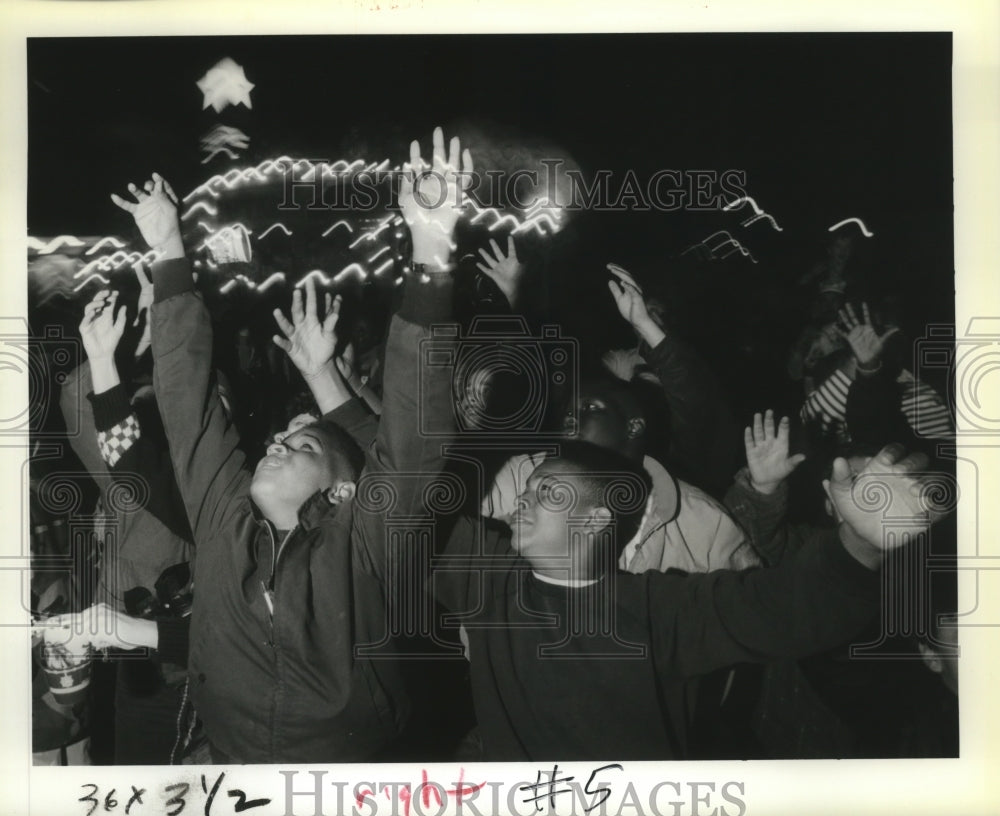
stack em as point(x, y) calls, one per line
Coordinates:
point(861, 336)
point(632, 305)
point(622, 362)
point(505, 270)
point(430, 198)
point(887, 487)
point(155, 213)
point(308, 342)
point(767, 452)
point(100, 330)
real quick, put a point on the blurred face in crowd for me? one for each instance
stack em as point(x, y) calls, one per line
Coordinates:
point(606, 418)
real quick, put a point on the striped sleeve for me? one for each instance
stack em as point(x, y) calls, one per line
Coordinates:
point(827, 404)
point(925, 411)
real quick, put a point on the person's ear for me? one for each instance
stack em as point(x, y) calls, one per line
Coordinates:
point(636, 427)
point(598, 519)
point(341, 492)
point(931, 659)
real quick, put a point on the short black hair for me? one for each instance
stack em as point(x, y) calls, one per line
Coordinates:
point(345, 455)
point(612, 480)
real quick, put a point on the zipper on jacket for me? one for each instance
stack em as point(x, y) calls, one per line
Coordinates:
point(281, 547)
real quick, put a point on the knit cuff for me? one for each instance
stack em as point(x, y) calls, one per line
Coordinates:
point(171, 277)
point(110, 407)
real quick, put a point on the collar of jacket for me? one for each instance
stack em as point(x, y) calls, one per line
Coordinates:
point(313, 510)
point(666, 494)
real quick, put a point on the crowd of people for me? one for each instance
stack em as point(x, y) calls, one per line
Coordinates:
point(375, 540)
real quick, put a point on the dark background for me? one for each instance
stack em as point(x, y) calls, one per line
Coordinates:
point(825, 126)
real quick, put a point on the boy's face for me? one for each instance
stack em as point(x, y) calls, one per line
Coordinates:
point(294, 469)
point(541, 524)
point(601, 420)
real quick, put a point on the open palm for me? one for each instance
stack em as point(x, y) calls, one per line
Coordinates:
point(430, 195)
point(865, 342)
point(767, 452)
point(307, 341)
point(154, 211)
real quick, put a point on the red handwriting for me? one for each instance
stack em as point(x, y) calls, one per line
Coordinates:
point(424, 790)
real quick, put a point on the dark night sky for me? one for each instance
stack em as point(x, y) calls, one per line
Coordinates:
point(820, 122)
point(825, 126)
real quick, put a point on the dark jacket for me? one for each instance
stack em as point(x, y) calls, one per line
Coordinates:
point(704, 437)
point(596, 672)
point(287, 685)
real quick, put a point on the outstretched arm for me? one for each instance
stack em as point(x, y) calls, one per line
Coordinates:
point(417, 395)
point(818, 597)
point(203, 443)
point(701, 424)
point(126, 451)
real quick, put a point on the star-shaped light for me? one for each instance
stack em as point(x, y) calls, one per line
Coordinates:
point(225, 84)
